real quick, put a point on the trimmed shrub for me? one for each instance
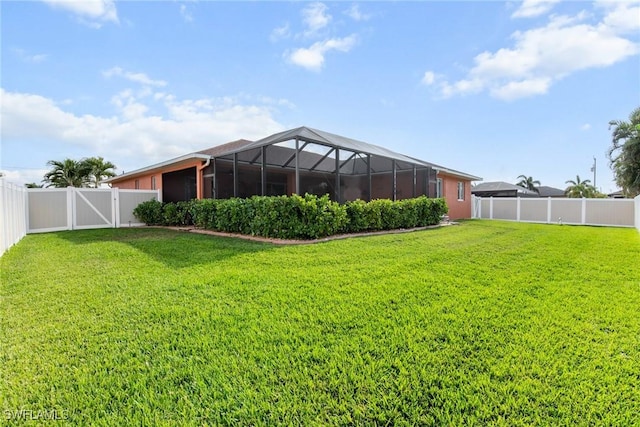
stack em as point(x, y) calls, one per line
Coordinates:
point(203, 212)
point(294, 217)
point(178, 213)
point(150, 212)
point(357, 220)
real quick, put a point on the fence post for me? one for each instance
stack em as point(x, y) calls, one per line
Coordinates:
point(584, 210)
point(71, 208)
point(491, 207)
point(518, 209)
point(115, 207)
point(637, 212)
point(548, 210)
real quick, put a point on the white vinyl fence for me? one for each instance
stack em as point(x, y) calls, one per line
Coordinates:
point(40, 210)
point(606, 212)
point(13, 214)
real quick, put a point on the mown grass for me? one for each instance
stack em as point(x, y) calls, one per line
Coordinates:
point(486, 323)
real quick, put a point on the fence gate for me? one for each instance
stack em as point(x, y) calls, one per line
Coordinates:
point(56, 209)
point(93, 208)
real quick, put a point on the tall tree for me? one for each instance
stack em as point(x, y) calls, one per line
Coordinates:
point(624, 154)
point(99, 170)
point(67, 173)
point(529, 183)
point(579, 188)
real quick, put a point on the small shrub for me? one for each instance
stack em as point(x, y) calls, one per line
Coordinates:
point(177, 214)
point(357, 220)
point(203, 212)
point(149, 212)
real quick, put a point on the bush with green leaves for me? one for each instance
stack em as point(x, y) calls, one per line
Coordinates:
point(294, 217)
point(178, 214)
point(203, 212)
point(150, 212)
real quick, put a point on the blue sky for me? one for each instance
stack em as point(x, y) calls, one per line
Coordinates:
point(494, 89)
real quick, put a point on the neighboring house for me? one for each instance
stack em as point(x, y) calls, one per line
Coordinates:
point(545, 191)
point(298, 161)
point(501, 189)
point(616, 195)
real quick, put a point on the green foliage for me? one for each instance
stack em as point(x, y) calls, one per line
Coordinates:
point(295, 217)
point(177, 214)
point(529, 183)
point(203, 213)
point(624, 154)
point(87, 172)
point(67, 173)
point(469, 325)
point(99, 169)
point(150, 212)
point(383, 214)
point(356, 212)
point(581, 188)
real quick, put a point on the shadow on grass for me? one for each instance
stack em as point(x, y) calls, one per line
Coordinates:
point(175, 249)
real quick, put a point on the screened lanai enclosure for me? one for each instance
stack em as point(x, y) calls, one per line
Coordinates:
point(305, 160)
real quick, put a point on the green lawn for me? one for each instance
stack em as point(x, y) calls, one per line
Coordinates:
point(482, 323)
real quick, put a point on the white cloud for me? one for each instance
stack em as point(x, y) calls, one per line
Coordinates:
point(23, 176)
point(280, 33)
point(312, 58)
point(134, 77)
point(521, 89)
point(186, 14)
point(315, 18)
point(429, 78)
point(533, 8)
point(356, 14)
point(134, 138)
point(28, 57)
point(585, 126)
point(541, 56)
point(461, 87)
point(621, 18)
point(95, 11)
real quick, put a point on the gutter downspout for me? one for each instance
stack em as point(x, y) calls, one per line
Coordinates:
point(199, 178)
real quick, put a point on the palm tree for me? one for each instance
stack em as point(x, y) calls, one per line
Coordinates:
point(624, 154)
point(67, 173)
point(529, 183)
point(32, 185)
point(579, 188)
point(99, 170)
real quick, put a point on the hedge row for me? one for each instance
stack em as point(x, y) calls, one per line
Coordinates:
point(294, 217)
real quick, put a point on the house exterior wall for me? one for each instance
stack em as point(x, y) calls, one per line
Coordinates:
point(458, 209)
point(145, 180)
point(381, 185)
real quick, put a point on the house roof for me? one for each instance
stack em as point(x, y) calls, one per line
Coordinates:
point(203, 155)
point(306, 134)
point(546, 191)
point(501, 187)
point(187, 158)
point(229, 147)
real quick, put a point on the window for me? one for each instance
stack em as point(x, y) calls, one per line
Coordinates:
point(460, 190)
point(153, 182)
point(439, 187)
point(137, 184)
